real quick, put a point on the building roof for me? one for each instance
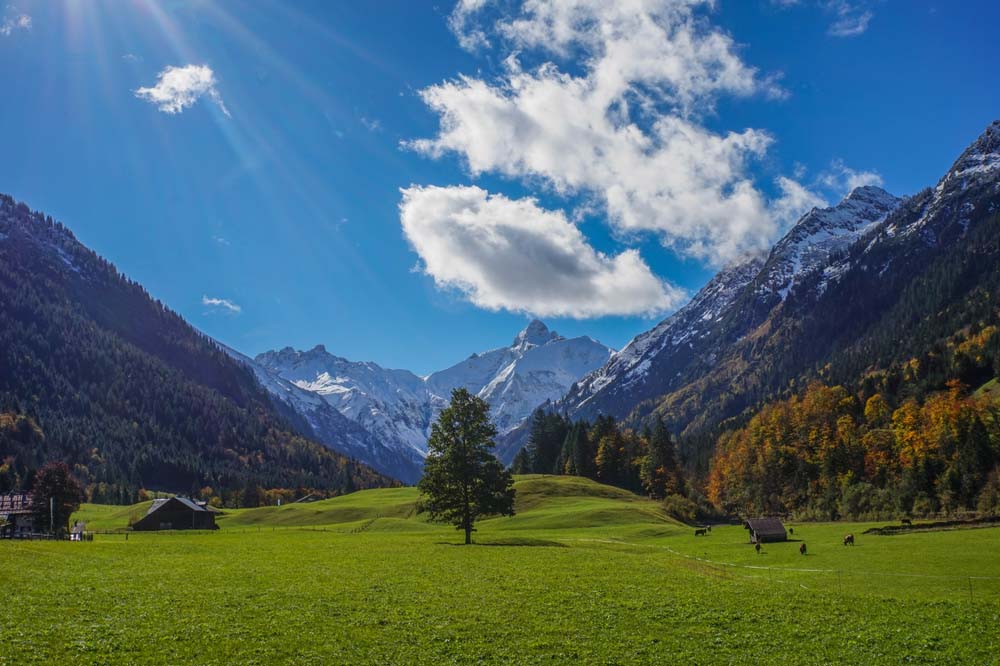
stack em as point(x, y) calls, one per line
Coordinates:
point(766, 526)
point(190, 504)
point(15, 503)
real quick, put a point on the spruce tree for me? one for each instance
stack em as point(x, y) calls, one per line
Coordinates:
point(462, 479)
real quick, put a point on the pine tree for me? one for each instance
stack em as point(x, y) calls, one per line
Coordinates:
point(660, 471)
point(522, 462)
point(462, 479)
point(583, 450)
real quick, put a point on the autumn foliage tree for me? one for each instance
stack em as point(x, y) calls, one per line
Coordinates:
point(824, 454)
point(55, 496)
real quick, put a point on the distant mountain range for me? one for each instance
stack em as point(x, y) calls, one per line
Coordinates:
point(874, 280)
point(392, 410)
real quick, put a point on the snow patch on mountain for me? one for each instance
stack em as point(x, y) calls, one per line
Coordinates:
point(822, 233)
point(633, 363)
point(655, 360)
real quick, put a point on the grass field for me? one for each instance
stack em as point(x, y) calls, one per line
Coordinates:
point(583, 574)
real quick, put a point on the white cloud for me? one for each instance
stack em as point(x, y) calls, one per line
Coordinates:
point(470, 37)
point(843, 179)
point(506, 254)
point(14, 22)
point(623, 131)
point(851, 18)
point(221, 240)
point(794, 202)
point(371, 124)
point(178, 88)
point(221, 305)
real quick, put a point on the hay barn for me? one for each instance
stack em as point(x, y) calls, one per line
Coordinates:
point(176, 513)
point(765, 530)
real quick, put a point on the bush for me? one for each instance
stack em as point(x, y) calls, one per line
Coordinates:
point(680, 508)
point(989, 499)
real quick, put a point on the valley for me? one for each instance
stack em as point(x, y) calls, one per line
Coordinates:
point(583, 573)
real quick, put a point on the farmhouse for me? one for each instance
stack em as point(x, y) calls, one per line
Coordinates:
point(17, 520)
point(764, 530)
point(176, 513)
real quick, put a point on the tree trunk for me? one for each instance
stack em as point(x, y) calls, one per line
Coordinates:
point(468, 534)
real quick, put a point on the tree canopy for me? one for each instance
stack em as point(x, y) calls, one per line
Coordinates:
point(462, 480)
point(55, 495)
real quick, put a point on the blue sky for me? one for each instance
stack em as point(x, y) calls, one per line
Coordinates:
point(318, 172)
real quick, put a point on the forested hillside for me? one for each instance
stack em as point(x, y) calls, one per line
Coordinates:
point(864, 286)
point(96, 373)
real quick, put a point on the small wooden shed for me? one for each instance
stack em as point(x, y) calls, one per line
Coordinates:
point(176, 513)
point(765, 530)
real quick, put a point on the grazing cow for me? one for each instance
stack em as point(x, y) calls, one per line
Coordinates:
point(802, 548)
point(849, 539)
point(700, 532)
point(906, 521)
point(791, 530)
point(757, 548)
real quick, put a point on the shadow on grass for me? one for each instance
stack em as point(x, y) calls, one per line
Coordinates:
point(512, 541)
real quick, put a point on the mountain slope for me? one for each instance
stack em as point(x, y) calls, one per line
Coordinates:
point(872, 281)
point(396, 407)
point(692, 340)
point(125, 390)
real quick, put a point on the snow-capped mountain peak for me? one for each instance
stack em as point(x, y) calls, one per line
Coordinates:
point(396, 407)
point(535, 333)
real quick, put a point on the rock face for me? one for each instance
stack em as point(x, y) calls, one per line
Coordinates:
point(846, 288)
point(392, 410)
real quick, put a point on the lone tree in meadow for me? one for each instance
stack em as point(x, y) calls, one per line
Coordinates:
point(462, 479)
point(55, 496)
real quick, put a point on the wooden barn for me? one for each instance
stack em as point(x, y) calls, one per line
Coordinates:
point(765, 530)
point(176, 513)
point(17, 520)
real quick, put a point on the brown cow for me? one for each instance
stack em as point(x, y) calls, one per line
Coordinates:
point(802, 548)
point(849, 539)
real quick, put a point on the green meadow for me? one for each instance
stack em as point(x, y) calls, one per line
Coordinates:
point(584, 573)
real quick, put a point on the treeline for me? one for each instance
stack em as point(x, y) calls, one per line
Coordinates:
point(911, 439)
point(95, 373)
point(828, 454)
point(643, 462)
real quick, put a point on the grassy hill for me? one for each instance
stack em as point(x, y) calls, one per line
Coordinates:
point(543, 502)
point(584, 573)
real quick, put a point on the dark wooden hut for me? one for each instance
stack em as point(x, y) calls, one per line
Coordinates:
point(176, 513)
point(17, 518)
point(765, 530)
